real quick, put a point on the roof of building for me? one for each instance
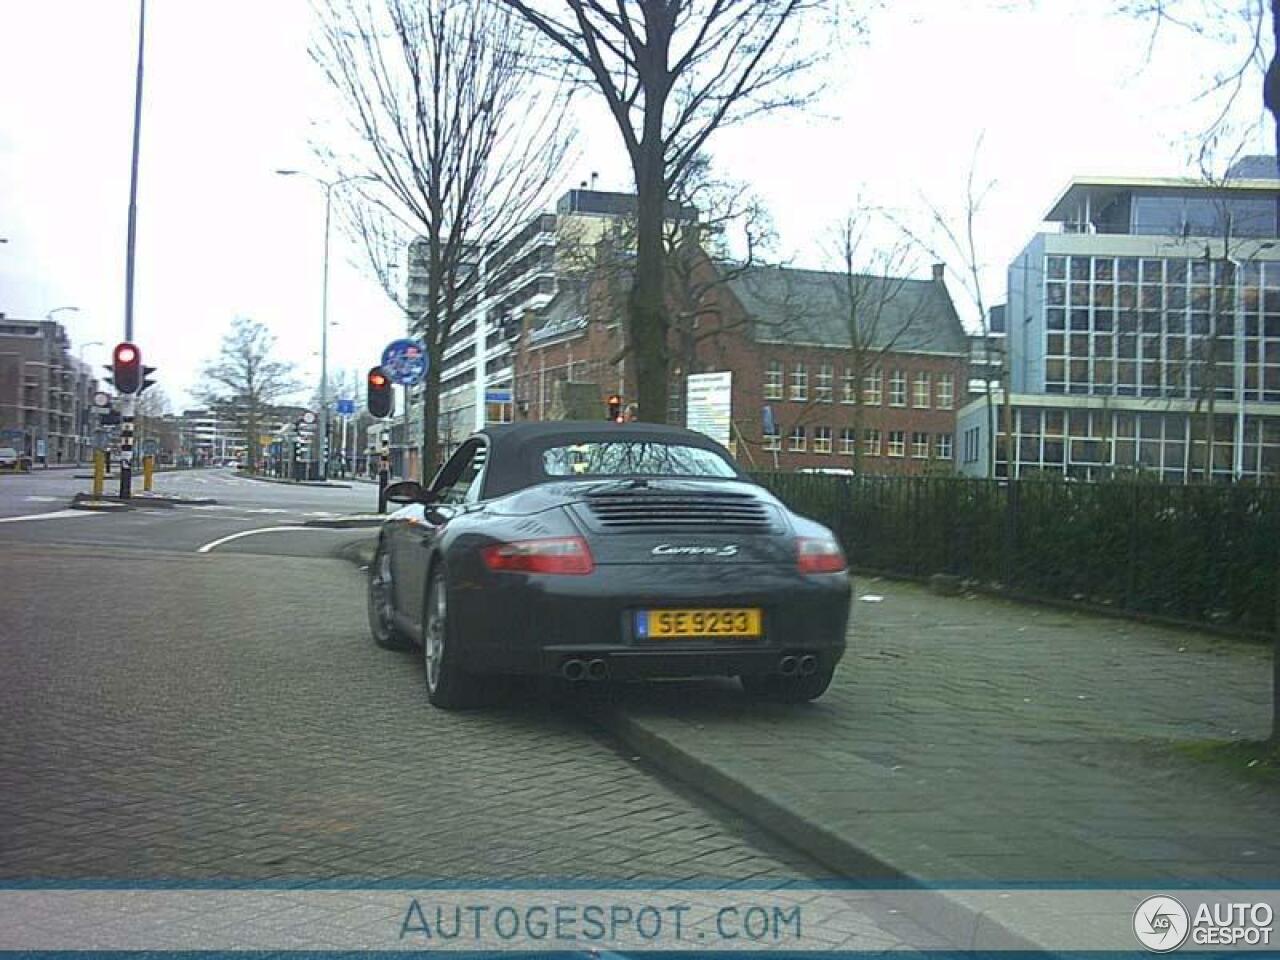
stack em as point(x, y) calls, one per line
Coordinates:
point(564, 314)
point(813, 306)
point(1103, 188)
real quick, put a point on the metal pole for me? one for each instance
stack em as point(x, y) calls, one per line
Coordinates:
point(324, 340)
point(126, 445)
point(482, 337)
point(133, 179)
point(1238, 465)
point(384, 468)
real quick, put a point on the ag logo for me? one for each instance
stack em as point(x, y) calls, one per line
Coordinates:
point(1161, 923)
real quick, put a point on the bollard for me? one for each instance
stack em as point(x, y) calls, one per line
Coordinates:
point(99, 472)
point(148, 472)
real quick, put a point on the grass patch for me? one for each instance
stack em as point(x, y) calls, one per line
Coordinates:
point(1257, 760)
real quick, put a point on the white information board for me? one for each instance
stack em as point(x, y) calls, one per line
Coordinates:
point(709, 404)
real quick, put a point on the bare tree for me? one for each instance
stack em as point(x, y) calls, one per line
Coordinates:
point(458, 146)
point(877, 303)
point(672, 72)
point(1239, 27)
point(245, 380)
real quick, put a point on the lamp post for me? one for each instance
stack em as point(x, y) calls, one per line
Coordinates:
point(329, 186)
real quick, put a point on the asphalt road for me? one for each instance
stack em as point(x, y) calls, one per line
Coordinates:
point(176, 713)
point(34, 509)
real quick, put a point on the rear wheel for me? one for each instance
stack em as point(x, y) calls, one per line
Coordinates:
point(448, 686)
point(779, 689)
point(382, 623)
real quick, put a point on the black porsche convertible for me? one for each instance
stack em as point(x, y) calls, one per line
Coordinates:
point(598, 550)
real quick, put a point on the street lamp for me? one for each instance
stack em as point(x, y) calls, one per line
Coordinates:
point(49, 316)
point(329, 186)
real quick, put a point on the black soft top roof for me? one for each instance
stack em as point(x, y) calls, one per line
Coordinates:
point(515, 449)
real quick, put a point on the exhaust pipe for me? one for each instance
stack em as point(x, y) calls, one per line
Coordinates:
point(788, 665)
point(573, 670)
point(597, 670)
point(808, 664)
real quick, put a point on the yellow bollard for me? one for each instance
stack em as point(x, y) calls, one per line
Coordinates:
point(148, 471)
point(99, 472)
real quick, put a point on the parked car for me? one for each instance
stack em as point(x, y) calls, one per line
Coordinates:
point(9, 459)
point(596, 550)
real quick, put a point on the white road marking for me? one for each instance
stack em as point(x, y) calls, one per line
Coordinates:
point(43, 499)
point(249, 533)
point(55, 515)
point(214, 506)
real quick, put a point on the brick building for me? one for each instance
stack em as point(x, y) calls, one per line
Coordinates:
point(46, 393)
point(876, 397)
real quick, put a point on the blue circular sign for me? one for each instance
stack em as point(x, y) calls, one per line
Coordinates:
point(405, 361)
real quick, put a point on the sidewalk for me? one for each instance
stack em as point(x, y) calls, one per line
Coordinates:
point(975, 741)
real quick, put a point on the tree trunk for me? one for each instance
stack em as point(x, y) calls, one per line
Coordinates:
point(431, 419)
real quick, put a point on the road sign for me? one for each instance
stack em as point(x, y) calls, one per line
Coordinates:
point(405, 361)
point(346, 408)
point(497, 396)
point(150, 447)
point(102, 400)
point(308, 417)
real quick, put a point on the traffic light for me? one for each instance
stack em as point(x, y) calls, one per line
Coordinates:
point(379, 398)
point(126, 367)
point(146, 378)
point(615, 408)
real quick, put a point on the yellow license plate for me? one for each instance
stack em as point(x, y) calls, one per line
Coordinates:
point(668, 624)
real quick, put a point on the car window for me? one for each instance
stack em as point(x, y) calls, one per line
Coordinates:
point(460, 478)
point(628, 458)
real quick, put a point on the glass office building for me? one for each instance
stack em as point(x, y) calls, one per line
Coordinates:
point(1135, 333)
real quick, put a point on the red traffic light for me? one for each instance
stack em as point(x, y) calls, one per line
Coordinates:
point(378, 397)
point(126, 367)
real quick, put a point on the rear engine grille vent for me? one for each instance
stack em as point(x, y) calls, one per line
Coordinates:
point(636, 511)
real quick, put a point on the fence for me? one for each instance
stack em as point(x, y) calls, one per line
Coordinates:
point(1203, 553)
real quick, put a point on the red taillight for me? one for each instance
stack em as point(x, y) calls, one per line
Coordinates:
point(819, 555)
point(567, 555)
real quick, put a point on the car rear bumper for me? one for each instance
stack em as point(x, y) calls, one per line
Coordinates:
point(527, 624)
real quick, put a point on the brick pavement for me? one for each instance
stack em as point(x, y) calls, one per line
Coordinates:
point(232, 719)
point(978, 740)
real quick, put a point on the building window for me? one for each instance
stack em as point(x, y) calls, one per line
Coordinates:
point(821, 439)
point(946, 391)
point(920, 391)
point(848, 437)
point(799, 383)
point(942, 446)
point(920, 446)
point(897, 443)
point(797, 440)
point(822, 389)
point(848, 386)
point(773, 380)
point(871, 443)
point(971, 443)
point(772, 441)
point(871, 389)
point(898, 389)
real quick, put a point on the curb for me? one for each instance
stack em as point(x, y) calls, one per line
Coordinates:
point(103, 505)
point(823, 845)
point(163, 500)
point(347, 523)
point(296, 483)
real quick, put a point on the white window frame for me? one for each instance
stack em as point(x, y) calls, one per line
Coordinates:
point(873, 388)
point(918, 439)
point(944, 444)
point(775, 376)
point(799, 383)
point(898, 388)
point(796, 440)
point(847, 387)
point(897, 448)
point(871, 443)
point(773, 441)
point(946, 391)
point(848, 441)
point(822, 387)
point(921, 387)
point(821, 439)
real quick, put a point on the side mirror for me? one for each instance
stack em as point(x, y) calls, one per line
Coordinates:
point(408, 491)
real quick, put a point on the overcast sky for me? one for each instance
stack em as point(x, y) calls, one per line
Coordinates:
point(1055, 88)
